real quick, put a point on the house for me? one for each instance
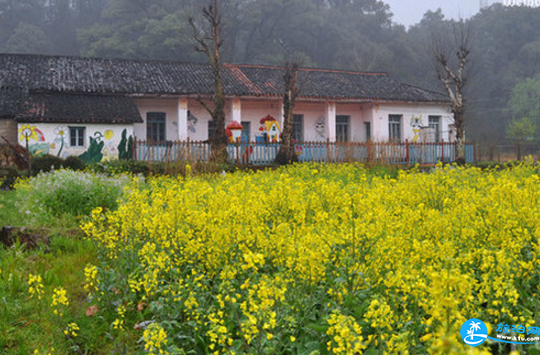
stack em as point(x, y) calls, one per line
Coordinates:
point(92, 107)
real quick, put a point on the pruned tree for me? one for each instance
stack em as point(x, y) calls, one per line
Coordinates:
point(286, 153)
point(209, 42)
point(452, 64)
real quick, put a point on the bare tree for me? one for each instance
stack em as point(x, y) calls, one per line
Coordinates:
point(208, 39)
point(451, 58)
point(286, 153)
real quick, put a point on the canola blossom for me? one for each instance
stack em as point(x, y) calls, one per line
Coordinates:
point(327, 258)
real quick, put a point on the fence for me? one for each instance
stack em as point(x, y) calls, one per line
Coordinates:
point(257, 153)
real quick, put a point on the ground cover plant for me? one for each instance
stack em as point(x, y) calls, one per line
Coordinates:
point(319, 259)
point(308, 259)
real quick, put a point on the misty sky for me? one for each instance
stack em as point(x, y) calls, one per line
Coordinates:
point(409, 12)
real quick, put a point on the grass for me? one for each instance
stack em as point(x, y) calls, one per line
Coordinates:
point(29, 324)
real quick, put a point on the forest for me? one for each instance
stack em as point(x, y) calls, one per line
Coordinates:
point(502, 92)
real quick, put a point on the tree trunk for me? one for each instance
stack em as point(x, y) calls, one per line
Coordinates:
point(460, 138)
point(286, 153)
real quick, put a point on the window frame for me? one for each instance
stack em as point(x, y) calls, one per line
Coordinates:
point(153, 120)
point(76, 136)
point(297, 131)
point(343, 128)
point(436, 126)
point(395, 128)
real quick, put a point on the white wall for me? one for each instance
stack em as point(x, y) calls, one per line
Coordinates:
point(54, 138)
point(381, 113)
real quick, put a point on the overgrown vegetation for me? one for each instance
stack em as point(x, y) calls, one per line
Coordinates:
point(386, 261)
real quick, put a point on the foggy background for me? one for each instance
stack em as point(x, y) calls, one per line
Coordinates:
point(341, 34)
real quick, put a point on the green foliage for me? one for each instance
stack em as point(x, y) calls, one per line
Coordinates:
point(521, 130)
point(28, 39)
point(66, 192)
point(74, 163)
point(45, 163)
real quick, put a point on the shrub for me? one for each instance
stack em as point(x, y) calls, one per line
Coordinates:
point(68, 192)
point(74, 163)
point(45, 163)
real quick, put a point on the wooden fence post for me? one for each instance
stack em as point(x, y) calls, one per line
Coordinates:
point(442, 155)
point(328, 150)
point(407, 151)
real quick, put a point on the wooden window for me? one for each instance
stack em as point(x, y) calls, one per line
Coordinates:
point(435, 124)
point(76, 136)
point(342, 128)
point(394, 128)
point(155, 126)
point(298, 128)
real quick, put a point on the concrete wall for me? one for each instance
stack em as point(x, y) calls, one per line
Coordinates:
point(8, 130)
point(414, 120)
point(315, 114)
point(101, 142)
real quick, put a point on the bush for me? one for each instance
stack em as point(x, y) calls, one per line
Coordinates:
point(68, 192)
point(74, 163)
point(45, 163)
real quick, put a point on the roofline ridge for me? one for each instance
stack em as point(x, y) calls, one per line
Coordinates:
point(323, 70)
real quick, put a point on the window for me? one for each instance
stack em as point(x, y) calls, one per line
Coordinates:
point(367, 126)
point(155, 126)
point(76, 136)
point(246, 132)
point(342, 128)
point(298, 128)
point(211, 129)
point(394, 128)
point(435, 125)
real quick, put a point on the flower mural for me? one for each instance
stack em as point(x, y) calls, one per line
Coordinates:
point(61, 133)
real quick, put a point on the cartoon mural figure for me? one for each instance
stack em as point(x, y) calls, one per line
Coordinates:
point(94, 153)
point(27, 133)
point(125, 147)
point(192, 122)
point(416, 123)
point(234, 131)
point(270, 129)
point(320, 126)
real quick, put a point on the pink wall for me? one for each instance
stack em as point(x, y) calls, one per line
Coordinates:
point(315, 116)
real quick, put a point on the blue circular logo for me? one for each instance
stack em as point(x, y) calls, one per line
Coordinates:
point(474, 332)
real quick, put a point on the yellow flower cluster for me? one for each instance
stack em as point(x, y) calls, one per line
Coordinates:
point(346, 335)
point(72, 329)
point(90, 274)
point(59, 299)
point(155, 338)
point(394, 264)
point(35, 286)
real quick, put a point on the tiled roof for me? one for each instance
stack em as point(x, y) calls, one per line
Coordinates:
point(120, 76)
point(73, 108)
point(10, 101)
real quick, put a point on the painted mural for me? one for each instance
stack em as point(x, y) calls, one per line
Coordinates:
point(320, 128)
point(417, 124)
point(33, 139)
point(104, 144)
point(192, 122)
